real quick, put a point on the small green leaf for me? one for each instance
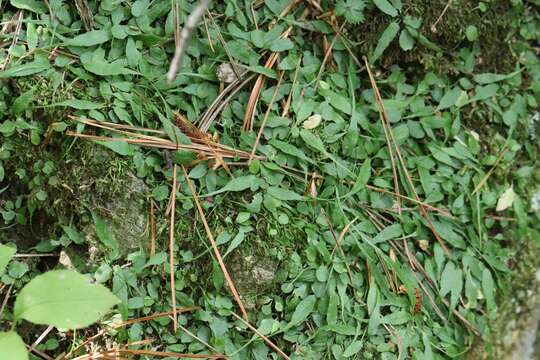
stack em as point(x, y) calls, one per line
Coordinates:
point(471, 33)
point(6, 253)
point(184, 157)
point(312, 141)
point(451, 282)
point(12, 347)
point(387, 37)
point(386, 7)
point(91, 38)
point(63, 298)
point(73, 234)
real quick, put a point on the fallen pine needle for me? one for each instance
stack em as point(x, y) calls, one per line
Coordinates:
point(228, 279)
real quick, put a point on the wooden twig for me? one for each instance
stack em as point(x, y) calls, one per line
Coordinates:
point(190, 25)
point(433, 27)
point(486, 177)
point(266, 115)
point(327, 56)
point(171, 248)
point(228, 279)
point(152, 229)
point(384, 118)
point(265, 339)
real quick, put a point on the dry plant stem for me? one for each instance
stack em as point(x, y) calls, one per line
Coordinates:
point(266, 115)
point(265, 339)
point(205, 125)
point(6, 298)
point(171, 248)
point(176, 23)
point(37, 352)
point(434, 26)
point(127, 323)
point(285, 111)
point(152, 230)
point(210, 42)
point(380, 107)
point(190, 25)
point(228, 279)
point(115, 354)
point(486, 177)
point(326, 57)
point(225, 47)
point(7, 60)
point(384, 118)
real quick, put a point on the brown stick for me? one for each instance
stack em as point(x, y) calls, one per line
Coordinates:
point(171, 248)
point(266, 115)
point(185, 35)
point(228, 279)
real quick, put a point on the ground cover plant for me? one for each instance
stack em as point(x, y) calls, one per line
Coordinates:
point(313, 180)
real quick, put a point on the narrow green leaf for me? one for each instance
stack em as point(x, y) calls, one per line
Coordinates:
point(80, 104)
point(388, 233)
point(38, 65)
point(353, 349)
point(12, 346)
point(91, 38)
point(284, 194)
point(63, 298)
point(387, 37)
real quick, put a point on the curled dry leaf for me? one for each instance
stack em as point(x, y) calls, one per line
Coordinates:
point(506, 200)
point(312, 122)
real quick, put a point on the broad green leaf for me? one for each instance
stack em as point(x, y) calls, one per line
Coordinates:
point(283, 194)
point(63, 298)
point(91, 38)
point(139, 7)
point(353, 349)
point(38, 65)
point(12, 346)
point(390, 232)
point(22, 102)
point(506, 200)
point(302, 311)
point(386, 7)
point(451, 282)
point(36, 6)
point(80, 104)
point(6, 253)
point(95, 63)
point(406, 41)
point(279, 45)
point(450, 98)
point(386, 38)
point(104, 233)
point(312, 141)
